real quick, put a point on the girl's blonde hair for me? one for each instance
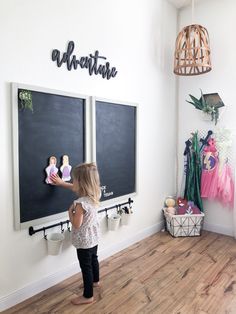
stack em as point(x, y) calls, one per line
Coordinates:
point(87, 177)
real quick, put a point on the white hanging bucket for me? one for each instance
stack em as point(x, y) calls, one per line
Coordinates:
point(113, 222)
point(125, 219)
point(54, 242)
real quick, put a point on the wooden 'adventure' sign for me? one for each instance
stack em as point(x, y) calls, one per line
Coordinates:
point(91, 62)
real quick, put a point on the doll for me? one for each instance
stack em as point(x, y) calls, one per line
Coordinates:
point(170, 203)
point(65, 168)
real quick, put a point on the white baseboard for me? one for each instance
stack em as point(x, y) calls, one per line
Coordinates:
point(105, 253)
point(36, 287)
point(51, 280)
point(218, 229)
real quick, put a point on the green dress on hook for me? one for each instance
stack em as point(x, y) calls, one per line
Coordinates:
point(193, 174)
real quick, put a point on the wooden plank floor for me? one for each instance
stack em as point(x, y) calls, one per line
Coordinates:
point(157, 275)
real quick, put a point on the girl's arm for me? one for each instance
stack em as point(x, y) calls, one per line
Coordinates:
point(76, 215)
point(59, 182)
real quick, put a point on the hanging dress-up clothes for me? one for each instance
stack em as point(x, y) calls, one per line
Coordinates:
point(193, 174)
point(226, 186)
point(210, 171)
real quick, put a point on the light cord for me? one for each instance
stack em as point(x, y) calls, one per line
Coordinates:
point(193, 12)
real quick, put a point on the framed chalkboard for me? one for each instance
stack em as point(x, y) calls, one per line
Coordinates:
point(114, 146)
point(52, 124)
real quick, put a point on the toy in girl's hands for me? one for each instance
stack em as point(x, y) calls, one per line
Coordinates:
point(51, 169)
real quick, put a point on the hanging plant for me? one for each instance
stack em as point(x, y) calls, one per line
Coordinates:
point(25, 97)
point(209, 104)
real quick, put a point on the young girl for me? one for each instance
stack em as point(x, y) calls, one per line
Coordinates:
point(84, 220)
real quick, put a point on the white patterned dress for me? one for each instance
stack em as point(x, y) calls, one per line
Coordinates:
point(87, 235)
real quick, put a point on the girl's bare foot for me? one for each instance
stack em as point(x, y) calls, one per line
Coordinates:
point(95, 284)
point(82, 300)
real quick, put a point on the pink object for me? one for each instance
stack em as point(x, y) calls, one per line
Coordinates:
point(210, 147)
point(182, 206)
point(196, 210)
point(210, 168)
point(226, 187)
point(181, 210)
point(181, 202)
point(188, 208)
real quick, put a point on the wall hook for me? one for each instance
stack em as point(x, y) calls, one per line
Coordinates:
point(130, 201)
point(62, 230)
point(204, 141)
point(44, 234)
point(68, 226)
point(120, 210)
point(130, 206)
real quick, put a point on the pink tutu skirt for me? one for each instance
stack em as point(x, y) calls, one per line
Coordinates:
point(226, 187)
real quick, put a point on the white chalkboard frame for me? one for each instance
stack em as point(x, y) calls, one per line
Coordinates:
point(94, 99)
point(15, 150)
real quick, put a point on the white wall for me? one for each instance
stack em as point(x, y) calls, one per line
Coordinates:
point(219, 18)
point(137, 36)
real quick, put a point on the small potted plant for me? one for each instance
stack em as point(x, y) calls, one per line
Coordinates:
point(209, 104)
point(25, 97)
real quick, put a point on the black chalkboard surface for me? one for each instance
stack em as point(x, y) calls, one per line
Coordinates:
point(55, 127)
point(116, 148)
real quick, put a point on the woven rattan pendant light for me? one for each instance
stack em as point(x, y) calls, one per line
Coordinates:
point(192, 50)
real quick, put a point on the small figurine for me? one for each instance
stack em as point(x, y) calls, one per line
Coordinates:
point(51, 169)
point(192, 209)
point(65, 168)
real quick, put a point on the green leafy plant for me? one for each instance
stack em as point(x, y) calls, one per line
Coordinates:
point(25, 97)
point(209, 108)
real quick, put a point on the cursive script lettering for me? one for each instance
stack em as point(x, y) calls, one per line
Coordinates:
point(91, 62)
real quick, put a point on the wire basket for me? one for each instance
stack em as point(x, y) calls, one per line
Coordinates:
point(184, 225)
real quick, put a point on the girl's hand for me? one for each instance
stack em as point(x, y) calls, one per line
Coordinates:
point(56, 180)
point(71, 209)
